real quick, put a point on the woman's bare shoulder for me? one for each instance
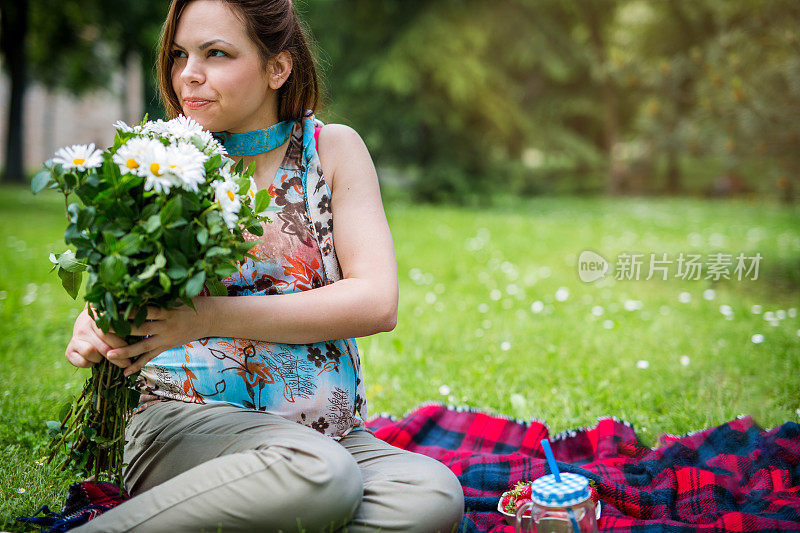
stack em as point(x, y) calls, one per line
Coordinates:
point(338, 143)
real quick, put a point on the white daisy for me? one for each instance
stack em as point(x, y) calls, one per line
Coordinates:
point(211, 146)
point(79, 156)
point(183, 127)
point(228, 199)
point(156, 127)
point(130, 156)
point(186, 163)
point(251, 194)
point(122, 126)
point(156, 170)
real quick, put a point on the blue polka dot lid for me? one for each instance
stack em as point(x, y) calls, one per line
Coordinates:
point(547, 492)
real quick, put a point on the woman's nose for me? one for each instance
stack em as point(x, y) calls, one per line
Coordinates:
point(192, 72)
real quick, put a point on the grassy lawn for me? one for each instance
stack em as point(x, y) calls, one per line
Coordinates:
point(492, 315)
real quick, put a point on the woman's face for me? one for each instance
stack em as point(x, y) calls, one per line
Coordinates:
point(217, 73)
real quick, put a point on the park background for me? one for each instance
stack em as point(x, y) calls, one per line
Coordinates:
point(509, 137)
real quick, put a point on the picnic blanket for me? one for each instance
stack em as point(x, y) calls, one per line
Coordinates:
point(733, 477)
point(85, 501)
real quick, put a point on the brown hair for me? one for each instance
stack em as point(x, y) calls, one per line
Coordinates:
point(273, 25)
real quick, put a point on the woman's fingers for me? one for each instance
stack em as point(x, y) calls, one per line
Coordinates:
point(110, 338)
point(81, 353)
point(139, 363)
point(132, 350)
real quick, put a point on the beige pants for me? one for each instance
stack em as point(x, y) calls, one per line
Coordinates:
point(217, 467)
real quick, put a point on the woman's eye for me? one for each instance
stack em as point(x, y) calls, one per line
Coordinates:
point(175, 53)
point(220, 51)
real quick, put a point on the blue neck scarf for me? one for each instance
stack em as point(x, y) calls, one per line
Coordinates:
point(257, 141)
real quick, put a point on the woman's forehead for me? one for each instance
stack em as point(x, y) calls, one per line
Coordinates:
point(207, 20)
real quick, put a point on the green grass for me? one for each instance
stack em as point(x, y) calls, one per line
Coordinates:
point(560, 365)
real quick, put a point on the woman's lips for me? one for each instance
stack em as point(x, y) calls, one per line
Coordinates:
point(196, 103)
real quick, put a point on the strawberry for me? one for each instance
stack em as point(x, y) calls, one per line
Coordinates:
point(507, 504)
point(593, 494)
point(520, 493)
point(519, 504)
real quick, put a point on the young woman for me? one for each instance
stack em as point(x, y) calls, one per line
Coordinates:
point(253, 408)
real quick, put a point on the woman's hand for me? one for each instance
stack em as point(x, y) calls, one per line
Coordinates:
point(167, 328)
point(89, 344)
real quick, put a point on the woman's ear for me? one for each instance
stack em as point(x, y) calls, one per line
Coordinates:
point(280, 67)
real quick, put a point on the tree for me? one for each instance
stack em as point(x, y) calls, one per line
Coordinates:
point(13, 27)
point(71, 46)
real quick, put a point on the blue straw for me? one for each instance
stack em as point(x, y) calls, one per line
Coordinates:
point(551, 460)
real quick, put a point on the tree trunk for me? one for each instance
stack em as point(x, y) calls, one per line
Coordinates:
point(13, 27)
point(615, 179)
point(673, 171)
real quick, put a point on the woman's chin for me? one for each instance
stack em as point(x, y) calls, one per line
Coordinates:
point(201, 118)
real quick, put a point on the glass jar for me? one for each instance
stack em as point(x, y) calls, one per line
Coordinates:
point(558, 507)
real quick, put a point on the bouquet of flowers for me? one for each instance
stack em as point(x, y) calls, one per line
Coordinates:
point(160, 215)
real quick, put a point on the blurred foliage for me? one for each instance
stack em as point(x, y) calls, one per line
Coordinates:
point(464, 97)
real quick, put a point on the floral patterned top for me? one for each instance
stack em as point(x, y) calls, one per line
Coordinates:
point(316, 384)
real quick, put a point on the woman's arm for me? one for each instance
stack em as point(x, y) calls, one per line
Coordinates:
point(364, 301)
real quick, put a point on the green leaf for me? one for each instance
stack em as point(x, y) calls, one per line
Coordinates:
point(93, 179)
point(176, 258)
point(40, 181)
point(85, 217)
point(263, 200)
point(72, 211)
point(256, 229)
point(103, 323)
point(121, 327)
point(111, 305)
point(197, 141)
point(202, 236)
point(68, 262)
point(214, 161)
point(152, 223)
point(216, 287)
point(129, 244)
point(188, 302)
point(177, 272)
point(251, 169)
point(71, 281)
point(214, 222)
point(187, 241)
point(216, 250)
point(73, 236)
point(164, 280)
point(158, 263)
point(243, 185)
point(224, 270)
point(141, 316)
point(112, 269)
point(189, 201)
point(148, 211)
point(148, 272)
point(237, 168)
point(171, 211)
point(195, 284)
point(111, 242)
point(177, 224)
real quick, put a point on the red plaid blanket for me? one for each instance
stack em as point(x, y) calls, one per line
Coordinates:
point(733, 477)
